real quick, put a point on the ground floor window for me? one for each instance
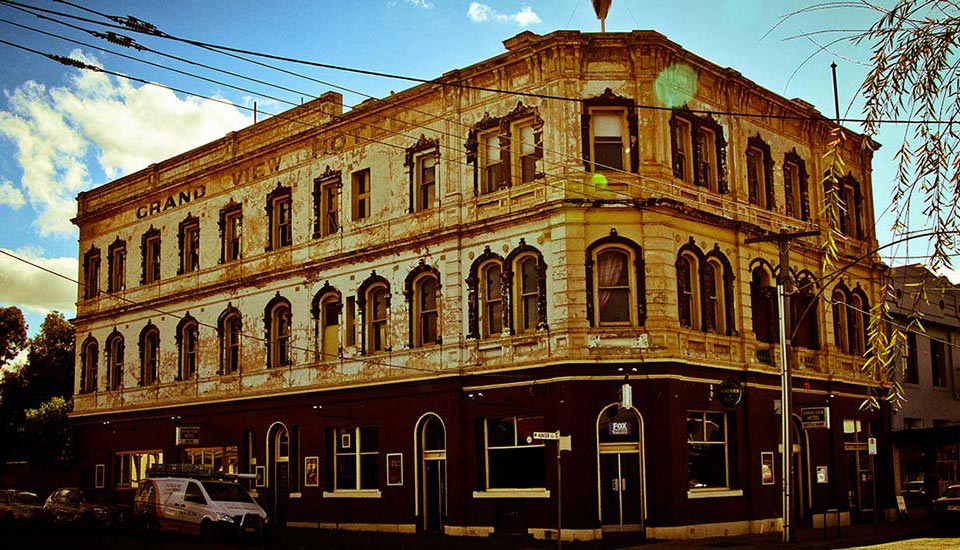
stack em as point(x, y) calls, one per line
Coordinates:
point(708, 450)
point(514, 460)
point(130, 467)
point(356, 458)
point(219, 459)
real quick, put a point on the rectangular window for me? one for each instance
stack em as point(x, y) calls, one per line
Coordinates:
point(608, 139)
point(514, 460)
point(351, 323)
point(91, 275)
point(218, 459)
point(118, 263)
point(190, 253)
point(707, 453)
point(938, 361)
point(232, 232)
point(911, 374)
point(683, 153)
point(152, 261)
point(524, 152)
point(756, 179)
point(329, 204)
point(356, 459)
point(281, 229)
point(490, 162)
point(130, 467)
point(361, 194)
point(849, 211)
point(426, 188)
point(707, 158)
point(791, 181)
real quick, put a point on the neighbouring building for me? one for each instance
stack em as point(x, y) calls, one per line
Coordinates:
point(387, 312)
point(927, 425)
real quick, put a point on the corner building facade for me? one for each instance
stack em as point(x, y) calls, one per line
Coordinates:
point(375, 310)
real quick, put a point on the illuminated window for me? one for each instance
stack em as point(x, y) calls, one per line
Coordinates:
point(326, 315)
point(131, 467)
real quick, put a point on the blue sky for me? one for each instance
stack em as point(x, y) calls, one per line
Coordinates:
point(63, 130)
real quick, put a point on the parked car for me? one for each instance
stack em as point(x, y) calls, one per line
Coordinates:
point(914, 494)
point(88, 508)
point(210, 508)
point(20, 507)
point(946, 509)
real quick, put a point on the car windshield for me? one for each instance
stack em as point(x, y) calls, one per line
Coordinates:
point(27, 498)
point(226, 492)
point(952, 492)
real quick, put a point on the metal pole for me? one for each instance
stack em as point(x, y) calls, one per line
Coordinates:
point(787, 453)
point(836, 100)
point(559, 501)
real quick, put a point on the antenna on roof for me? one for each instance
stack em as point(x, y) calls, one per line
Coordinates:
point(602, 7)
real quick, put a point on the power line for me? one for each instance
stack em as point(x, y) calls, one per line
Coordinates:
point(142, 27)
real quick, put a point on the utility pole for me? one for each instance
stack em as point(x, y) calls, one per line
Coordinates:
point(784, 288)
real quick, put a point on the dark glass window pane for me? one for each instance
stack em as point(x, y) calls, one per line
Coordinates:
point(708, 465)
point(368, 439)
point(500, 432)
point(346, 472)
point(615, 305)
point(517, 468)
point(370, 471)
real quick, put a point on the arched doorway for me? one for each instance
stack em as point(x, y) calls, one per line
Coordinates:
point(431, 444)
point(800, 464)
point(621, 496)
point(278, 480)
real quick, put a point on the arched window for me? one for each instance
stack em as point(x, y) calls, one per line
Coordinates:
point(149, 354)
point(763, 303)
point(714, 303)
point(615, 289)
point(688, 291)
point(229, 328)
point(373, 299)
point(326, 316)
point(188, 336)
point(858, 327)
point(840, 326)
point(88, 371)
point(278, 320)
point(804, 327)
point(422, 289)
point(526, 294)
point(491, 298)
point(114, 361)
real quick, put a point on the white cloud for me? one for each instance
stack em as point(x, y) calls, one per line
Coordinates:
point(10, 195)
point(479, 12)
point(421, 4)
point(59, 130)
point(29, 288)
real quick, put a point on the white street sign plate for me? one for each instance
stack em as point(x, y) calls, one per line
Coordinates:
point(546, 435)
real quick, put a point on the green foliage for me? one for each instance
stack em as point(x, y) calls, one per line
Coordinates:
point(13, 333)
point(832, 204)
point(50, 360)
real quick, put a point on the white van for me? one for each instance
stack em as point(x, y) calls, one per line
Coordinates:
point(210, 508)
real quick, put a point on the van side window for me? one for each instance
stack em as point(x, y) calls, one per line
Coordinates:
point(194, 494)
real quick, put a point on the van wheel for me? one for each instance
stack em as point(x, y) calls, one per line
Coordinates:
point(207, 533)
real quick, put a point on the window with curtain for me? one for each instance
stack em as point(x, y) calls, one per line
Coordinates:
point(614, 296)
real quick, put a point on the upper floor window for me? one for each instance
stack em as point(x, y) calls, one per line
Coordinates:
point(850, 315)
point(911, 372)
point(524, 150)
point(507, 295)
point(609, 133)
point(378, 304)
point(88, 365)
point(117, 268)
point(189, 236)
point(326, 315)
point(490, 161)
point(360, 192)
point(150, 256)
point(615, 289)
point(91, 273)
point(188, 337)
point(356, 459)
point(763, 304)
point(491, 296)
point(149, 355)
point(115, 361)
point(851, 213)
point(505, 150)
point(805, 328)
point(796, 187)
point(231, 231)
point(760, 173)
point(705, 290)
point(422, 289)
point(698, 150)
point(527, 294)
point(326, 203)
point(421, 160)
point(514, 460)
point(230, 327)
point(938, 363)
point(278, 320)
point(279, 216)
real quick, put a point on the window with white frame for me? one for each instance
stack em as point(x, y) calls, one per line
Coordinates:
point(149, 355)
point(490, 161)
point(278, 333)
point(615, 296)
point(707, 450)
point(230, 326)
point(426, 182)
point(513, 459)
point(114, 361)
point(491, 299)
point(608, 134)
point(425, 311)
point(356, 459)
point(188, 337)
point(189, 245)
point(524, 151)
point(360, 191)
point(527, 294)
point(378, 304)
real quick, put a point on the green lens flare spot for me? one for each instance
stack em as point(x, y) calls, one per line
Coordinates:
point(598, 180)
point(675, 85)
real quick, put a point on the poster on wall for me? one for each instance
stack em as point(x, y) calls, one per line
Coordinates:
point(394, 469)
point(101, 475)
point(311, 469)
point(766, 468)
point(261, 476)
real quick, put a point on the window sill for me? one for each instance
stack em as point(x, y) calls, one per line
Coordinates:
point(714, 493)
point(512, 493)
point(361, 493)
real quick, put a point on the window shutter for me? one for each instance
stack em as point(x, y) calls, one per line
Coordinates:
point(804, 195)
point(683, 291)
point(708, 292)
point(585, 140)
point(674, 143)
point(768, 180)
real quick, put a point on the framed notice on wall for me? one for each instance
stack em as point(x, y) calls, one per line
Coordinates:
point(311, 471)
point(101, 476)
point(394, 469)
point(766, 468)
point(261, 476)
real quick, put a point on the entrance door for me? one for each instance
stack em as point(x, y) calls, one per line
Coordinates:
point(619, 435)
point(432, 464)
point(279, 482)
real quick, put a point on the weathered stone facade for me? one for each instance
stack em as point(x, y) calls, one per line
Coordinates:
point(558, 212)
